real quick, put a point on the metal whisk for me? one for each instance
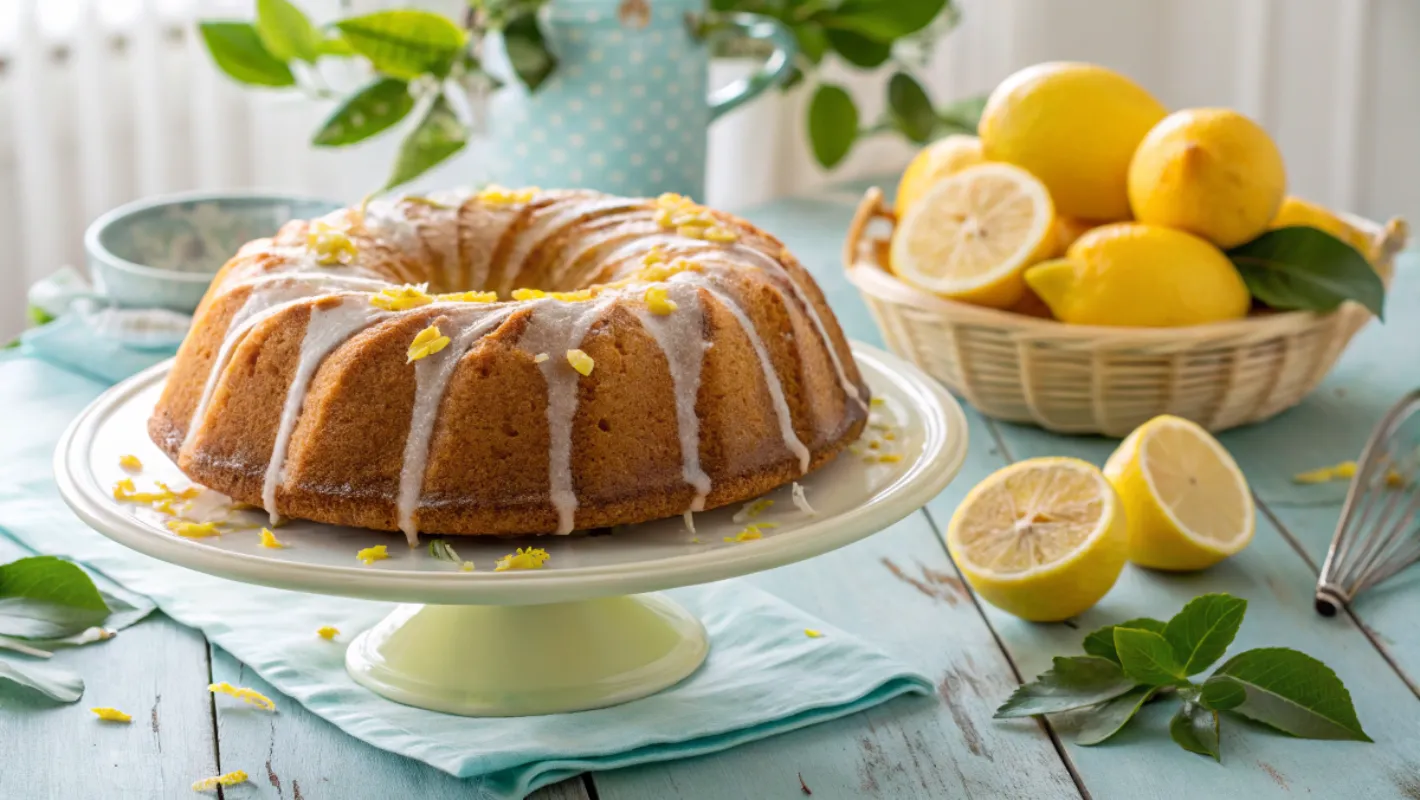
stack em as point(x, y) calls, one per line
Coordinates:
point(1379, 533)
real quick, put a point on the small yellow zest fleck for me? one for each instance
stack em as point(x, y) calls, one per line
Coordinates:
point(427, 343)
point(538, 294)
point(718, 233)
point(165, 507)
point(874, 444)
point(268, 539)
point(130, 463)
point(112, 715)
point(877, 402)
point(580, 361)
point(524, 558)
point(813, 633)
point(752, 531)
point(467, 297)
point(230, 779)
point(656, 271)
point(1394, 479)
point(659, 302)
point(370, 555)
point(540, 357)
point(890, 436)
point(695, 540)
point(889, 458)
point(402, 298)
point(124, 489)
point(330, 244)
point(193, 530)
point(467, 566)
point(495, 195)
point(1342, 471)
point(248, 696)
point(758, 507)
point(328, 633)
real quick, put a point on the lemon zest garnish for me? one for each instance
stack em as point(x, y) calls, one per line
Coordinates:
point(427, 343)
point(328, 633)
point(1342, 471)
point(876, 402)
point(249, 696)
point(112, 715)
point(165, 507)
point(495, 195)
point(717, 233)
point(695, 540)
point(540, 357)
point(752, 509)
point(752, 531)
point(331, 245)
point(130, 463)
point(523, 295)
point(888, 458)
point(372, 554)
point(230, 779)
point(580, 361)
point(659, 302)
point(193, 530)
point(812, 633)
point(402, 298)
point(467, 566)
point(467, 297)
point(524, 558)
point(1394, 479)
point(874, 444)
point(268, 539)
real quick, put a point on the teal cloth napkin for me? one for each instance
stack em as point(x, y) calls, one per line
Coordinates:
point(763, 676)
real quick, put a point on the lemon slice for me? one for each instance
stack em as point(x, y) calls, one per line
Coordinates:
point(970, 236)
point(1044, 539)
point(1187, 502)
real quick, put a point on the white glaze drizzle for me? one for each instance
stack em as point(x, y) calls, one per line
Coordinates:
point(431, 381)
point(327, 328)
point(681, 338)
point(545, 222)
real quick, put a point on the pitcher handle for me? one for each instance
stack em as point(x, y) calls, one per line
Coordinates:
point(775, 70)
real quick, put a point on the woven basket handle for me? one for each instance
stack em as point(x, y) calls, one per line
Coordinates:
point(870, 207)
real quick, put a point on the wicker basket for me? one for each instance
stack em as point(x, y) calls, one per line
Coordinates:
point(1090, 379)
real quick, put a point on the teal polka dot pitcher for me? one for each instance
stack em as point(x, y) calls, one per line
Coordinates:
point(626, 110)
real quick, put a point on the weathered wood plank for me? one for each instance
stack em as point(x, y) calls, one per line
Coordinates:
point(1277, 583)
point(295, 755)
point(898, 590)
point(156, 671)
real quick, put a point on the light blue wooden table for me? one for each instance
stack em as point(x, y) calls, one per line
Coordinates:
point(897, 588)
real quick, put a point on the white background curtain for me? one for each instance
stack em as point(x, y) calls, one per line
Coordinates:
point(104, 101)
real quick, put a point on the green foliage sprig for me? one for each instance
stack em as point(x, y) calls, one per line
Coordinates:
point(1144, 659)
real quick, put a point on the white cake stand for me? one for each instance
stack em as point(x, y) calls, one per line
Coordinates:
point(578, 633)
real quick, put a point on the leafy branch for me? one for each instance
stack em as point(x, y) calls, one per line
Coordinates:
point(1144, 659)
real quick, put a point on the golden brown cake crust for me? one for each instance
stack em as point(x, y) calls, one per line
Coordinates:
point(749, 365)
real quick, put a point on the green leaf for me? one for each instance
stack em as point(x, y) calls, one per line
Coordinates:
point(439, 135)
point(1221, 693)
point(1147, 657)
point(1307, 269)
point(51, 579)
point(911, 108)
point(334, 47)
point(1293, 693)
point(39, 316)
point(1074, 682)
point(962, 116)
point(1195, 728)
point(286, 32)
point(405, 43)
point(812, 40)
point(1203, 630)
point(527, 51)
point(1101, 642)
point(369, 111)
point(237, 50)
point(858, 50)
point(53, 682)
point(833, 124)
point(1110, 717)
point(884, 20)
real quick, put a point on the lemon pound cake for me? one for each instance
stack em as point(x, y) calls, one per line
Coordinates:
point(509, 362)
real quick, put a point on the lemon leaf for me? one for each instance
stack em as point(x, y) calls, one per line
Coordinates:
point(1221, 693)
point(1074, 682)
point(884, 21)
point(439, 135)
point(405, 43)
point(1195, 727)
point(369, 111)
point(911, 108)
point(286, 32)
point(1203, 630)
point(857, 49)
point(1301, 268)
point(53, 682)
point(1147, 657)
point(1294, 693)
point(527, 51)
point(237, 50)
point(1111, 716)
point(50, 579)
point(1101, 642)
point(833, 124)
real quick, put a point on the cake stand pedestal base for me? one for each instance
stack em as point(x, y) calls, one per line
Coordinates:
point(520, 660)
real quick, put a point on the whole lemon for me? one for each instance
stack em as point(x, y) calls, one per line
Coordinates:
point(1296, 211)
point(1074, 126)
point(1209, 171)
point(946, 156)
point(1136, 275)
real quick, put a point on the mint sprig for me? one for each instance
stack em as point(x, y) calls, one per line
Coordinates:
point(1141, 660)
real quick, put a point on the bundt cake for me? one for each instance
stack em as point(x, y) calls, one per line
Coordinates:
point(509, 362)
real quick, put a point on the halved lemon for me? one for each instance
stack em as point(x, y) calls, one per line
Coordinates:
point(971, 235)
point(1044, 539)
point(1187, 503)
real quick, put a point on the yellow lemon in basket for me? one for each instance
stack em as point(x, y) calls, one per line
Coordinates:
point(970, 236)
point(1296, 211)
point(1074, 126)
point(1135, 275)
point(1209, 171)
point(944, 157)
point(1187, 503)
point(1044, 539)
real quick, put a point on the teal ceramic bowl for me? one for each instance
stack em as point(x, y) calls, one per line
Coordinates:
point(162, 252)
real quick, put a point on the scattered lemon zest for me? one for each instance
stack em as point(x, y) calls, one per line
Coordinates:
point(877, 402)
point(540, 357)
point(662, 270)
point(874, 444)
point(813, 633)
point(328, 633)
point(1394, 479)
point(467, 566)
point(230, 779)
point(580, 361)
point(524, 558)
point(752, 531)
point(495, 195)
point(331, 245)
point(372, 554)
point(1342, 471)
point(268, 539)
point(427, 343)
point(577, 296)
point(659, 302)
point(402, 298)
point(249, 696)
point(695, 540)
point(193, 530)
point(752, 509)
point(467, 297)
point(112, 715)
point(130, 463)
point(889, 458)
point(719, 233)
